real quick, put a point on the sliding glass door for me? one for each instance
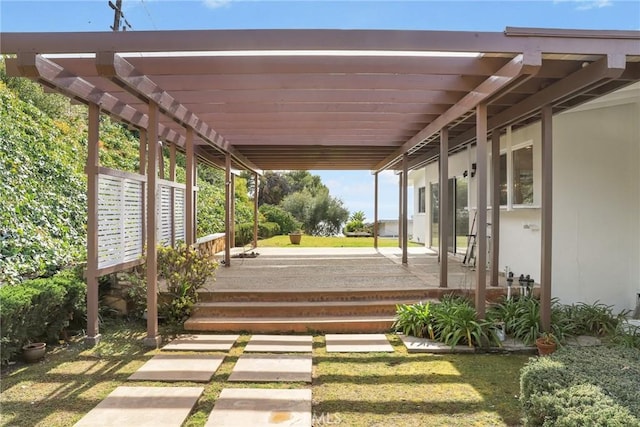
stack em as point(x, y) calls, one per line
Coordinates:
point(457, 212)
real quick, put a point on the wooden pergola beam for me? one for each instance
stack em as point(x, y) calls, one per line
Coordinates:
point(123, 73)
point(524, 64)
point(41, 69)
point(592, 75)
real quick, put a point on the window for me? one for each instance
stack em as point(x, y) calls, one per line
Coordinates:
point(421, 200)
point(521, 189)
point(523, 176)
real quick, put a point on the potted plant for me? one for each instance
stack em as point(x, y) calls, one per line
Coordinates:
point(546, 343)
point(33, 352)
point(295, 237)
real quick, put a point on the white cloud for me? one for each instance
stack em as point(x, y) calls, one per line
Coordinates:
point(214, 4)
point(588, 4)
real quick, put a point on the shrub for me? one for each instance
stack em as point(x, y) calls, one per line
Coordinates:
point(185, 271)
point(268, 229)
point(582, 386)
point(39, 309)
point(285, 220)
point(244, 234)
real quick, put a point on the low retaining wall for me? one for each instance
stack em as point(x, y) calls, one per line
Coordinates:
point(211, 244)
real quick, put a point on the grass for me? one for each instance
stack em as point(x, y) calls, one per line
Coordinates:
point(331, 242)
point(350, 389)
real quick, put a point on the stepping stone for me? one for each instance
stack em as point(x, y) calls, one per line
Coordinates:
point(357, 343)
point(261, 407)
point(179, 367)
point(272, 367)
point(424, 345)
point(280, 344)
point(202, 343)
point(143, 406)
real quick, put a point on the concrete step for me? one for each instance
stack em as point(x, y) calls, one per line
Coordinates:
point(321, 296)
point(299, 308)
point(336, 324)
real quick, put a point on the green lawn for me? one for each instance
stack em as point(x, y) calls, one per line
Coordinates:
point(331, 242)
point(349, 389)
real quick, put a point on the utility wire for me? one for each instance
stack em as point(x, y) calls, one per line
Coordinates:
point(149, 14)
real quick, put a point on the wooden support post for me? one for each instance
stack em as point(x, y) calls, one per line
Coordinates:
point(160, 160)
point(547, 216)
point(443, 217)
point(405, 189)
point(189, 191)
point(375, 211)
point(227, 211)
point(495, 207)
point(232, 211)
point(172, 178)
point(255, 210)
point(93, 162)
point(152, 339)
point(400, 215)
point(142, 170)
point(481, 220)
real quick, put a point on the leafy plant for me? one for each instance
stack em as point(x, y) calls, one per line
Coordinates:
point(457, 322)
point(185, 271)
point(414, 319)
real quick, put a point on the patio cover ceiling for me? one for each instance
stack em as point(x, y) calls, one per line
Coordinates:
point(326, 99)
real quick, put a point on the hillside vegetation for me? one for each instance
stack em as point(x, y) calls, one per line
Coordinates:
point(43, 212)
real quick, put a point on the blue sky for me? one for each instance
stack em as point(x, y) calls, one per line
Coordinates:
point(354, 188)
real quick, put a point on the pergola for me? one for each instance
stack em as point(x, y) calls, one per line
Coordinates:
point(312, 99)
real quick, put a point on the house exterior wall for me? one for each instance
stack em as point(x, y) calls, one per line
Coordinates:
point(596, 196)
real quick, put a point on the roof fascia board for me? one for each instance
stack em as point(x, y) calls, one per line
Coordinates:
point(527, 63)
point(123, 73)
point(511, 41)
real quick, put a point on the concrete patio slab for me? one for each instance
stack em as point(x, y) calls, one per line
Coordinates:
point(272, 368)
point(179, 367)
point(279, 344)
point(191, 342)
point(143, 406)
point(261, 407)
point(424, 345)
point(357, 343)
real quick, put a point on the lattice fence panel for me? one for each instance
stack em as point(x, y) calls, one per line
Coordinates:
point(119, 220)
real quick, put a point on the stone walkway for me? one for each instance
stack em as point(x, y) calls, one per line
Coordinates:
point(266, 358)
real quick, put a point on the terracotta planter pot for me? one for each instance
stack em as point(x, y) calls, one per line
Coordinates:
point(34, 352)
point(545, 348)
point(295, 238)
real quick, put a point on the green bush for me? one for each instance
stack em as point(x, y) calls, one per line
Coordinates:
point(39, 309)
point(595, 386)
point(268, 229)
point(244, 234)
point(275, 214)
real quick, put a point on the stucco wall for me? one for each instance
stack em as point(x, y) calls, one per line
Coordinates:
point(597, 205)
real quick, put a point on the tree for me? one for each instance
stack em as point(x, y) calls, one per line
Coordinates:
point(320, 215)
point(273, 188)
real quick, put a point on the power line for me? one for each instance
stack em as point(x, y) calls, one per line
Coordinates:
point(149, 14)
point(118, 17)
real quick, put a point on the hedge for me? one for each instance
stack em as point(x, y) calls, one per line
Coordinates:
point(39, 309)
point(593, 386)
